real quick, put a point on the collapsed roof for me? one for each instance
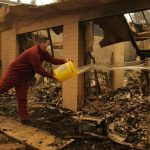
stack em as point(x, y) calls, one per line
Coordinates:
point(110, 13)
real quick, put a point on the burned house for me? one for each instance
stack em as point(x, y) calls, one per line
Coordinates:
point(118, 119)
point(70, 18)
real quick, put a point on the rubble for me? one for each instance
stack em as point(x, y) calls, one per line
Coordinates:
point(8, 104)
point(117, 120)
point(4, 139)
point(134, 126)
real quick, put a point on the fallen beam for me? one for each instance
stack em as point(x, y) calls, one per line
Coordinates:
point(86, 136)
point(31, 136)
point(143, 34)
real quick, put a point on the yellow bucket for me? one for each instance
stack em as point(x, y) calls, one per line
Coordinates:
point(65, 71)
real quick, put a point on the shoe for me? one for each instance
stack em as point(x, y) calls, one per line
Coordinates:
point(26, 122)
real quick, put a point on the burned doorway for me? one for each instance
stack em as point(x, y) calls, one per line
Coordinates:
point(96, 81)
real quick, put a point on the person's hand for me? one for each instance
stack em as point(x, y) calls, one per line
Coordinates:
point(69, 60)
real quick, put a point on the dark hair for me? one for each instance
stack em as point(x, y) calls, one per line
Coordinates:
point(42, 39)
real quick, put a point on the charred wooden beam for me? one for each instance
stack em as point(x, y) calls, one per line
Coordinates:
point(98, 120)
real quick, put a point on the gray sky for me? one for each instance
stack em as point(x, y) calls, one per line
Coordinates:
point(38, 2)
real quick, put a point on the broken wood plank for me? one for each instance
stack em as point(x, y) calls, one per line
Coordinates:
point(98, 120)
point(95, 135)
point(31, 136)
point(12, 146)
point(36, 105)
point(86, 136)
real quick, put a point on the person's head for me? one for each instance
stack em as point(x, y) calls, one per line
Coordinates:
point(43, 42)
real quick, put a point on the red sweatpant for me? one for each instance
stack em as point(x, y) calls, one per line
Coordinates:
point(10, 79)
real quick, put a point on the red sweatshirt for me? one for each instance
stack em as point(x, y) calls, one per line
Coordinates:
point(30, 62)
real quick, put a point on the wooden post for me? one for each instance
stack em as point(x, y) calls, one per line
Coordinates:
point(9, 49)
point(118, 56)
point(0, 55)
point(73, 89)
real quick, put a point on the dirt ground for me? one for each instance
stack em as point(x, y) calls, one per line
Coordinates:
point(125, 113)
